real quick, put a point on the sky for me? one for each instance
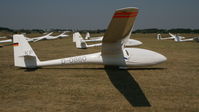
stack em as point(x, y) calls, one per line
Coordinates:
point(96, 14)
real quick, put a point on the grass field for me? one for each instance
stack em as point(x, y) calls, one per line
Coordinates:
point(170, 86)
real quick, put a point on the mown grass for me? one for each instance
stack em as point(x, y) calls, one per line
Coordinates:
point(170, 86)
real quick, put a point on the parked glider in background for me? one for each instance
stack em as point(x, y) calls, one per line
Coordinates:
point(178, 39)
point(88, 37)
point(79, 39)
point(112, 53)
point(159, 37)
point(81, 44)
point(3, 37)
point(172, 36)
point(27, 38)
point(77, 36)
point(49, 37)
point(35, 39)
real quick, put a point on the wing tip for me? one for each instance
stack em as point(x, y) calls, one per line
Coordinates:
point(127, 8)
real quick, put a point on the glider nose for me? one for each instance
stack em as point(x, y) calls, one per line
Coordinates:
point(153, 58)
point(136, 42)
point(160, 58)
point(143, 57)
point(139, 43)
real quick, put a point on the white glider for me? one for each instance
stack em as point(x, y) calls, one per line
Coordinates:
point(3, 37)
point(27, 38)
point(112, 53)
point(88, 37)
point(159, 37)
point(178, 39)
point(49, 37)
point(35, 39)
point(81, 43)
point(77, 36)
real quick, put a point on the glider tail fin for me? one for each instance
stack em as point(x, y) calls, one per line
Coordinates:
point(76, 35)
point(87, 35)
point(196, 39)
point(24, 56)
point(81, 44)
point(159, 36)
point(177, 38)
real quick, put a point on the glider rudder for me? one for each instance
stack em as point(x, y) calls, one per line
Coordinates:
point(24, 56)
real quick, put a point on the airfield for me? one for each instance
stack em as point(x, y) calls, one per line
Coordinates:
point(170, 86)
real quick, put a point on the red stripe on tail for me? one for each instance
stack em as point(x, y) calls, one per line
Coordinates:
point(15, 44)
point(125, 14)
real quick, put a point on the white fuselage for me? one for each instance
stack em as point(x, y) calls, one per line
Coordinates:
point(49, 37)
point(130, 42)
point(135, 57)
point(133, 42)
point(173, 37)
point(94, 45)
point(188, 40)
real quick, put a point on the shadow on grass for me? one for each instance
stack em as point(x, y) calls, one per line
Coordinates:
point(122, 80)
point(100, 68)
point(30, 69)
point(127, 86)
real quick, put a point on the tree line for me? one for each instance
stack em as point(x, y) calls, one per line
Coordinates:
point(176, 30)
point(151, 30)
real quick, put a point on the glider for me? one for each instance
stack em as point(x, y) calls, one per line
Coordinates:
point(172, 36)
point(35, 39)
point(77, 36)
point(178, 39)
point(27, 38)
point(49, 37)
point(113, 51)
point(81, 43)
point(88, 37)
point(2, 37)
